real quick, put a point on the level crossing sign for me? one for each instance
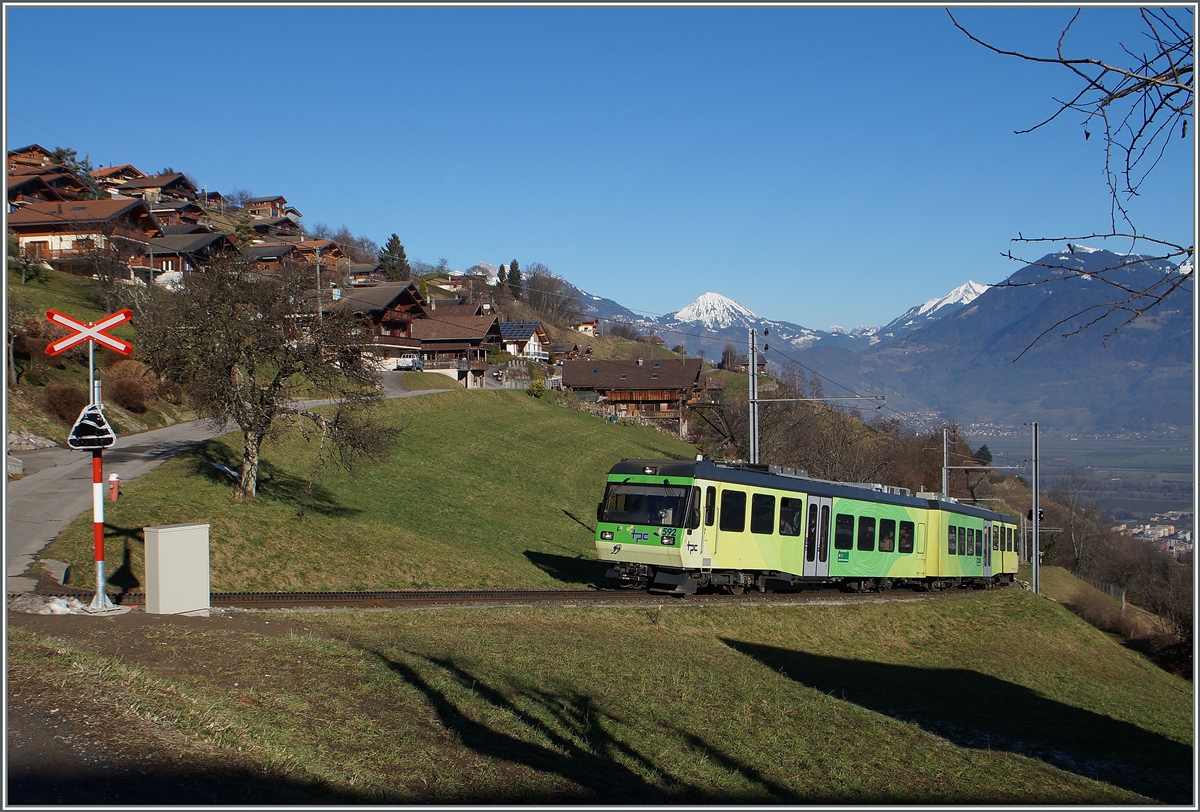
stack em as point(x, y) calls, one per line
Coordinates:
point(91, 431)
point(90, 331)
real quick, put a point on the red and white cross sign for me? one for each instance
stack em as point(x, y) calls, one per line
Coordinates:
point(94, 331)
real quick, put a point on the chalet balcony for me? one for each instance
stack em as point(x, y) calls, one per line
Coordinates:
point(461, 364)
point(396, 341)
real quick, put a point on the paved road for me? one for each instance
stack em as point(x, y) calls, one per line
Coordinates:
point(57, 486)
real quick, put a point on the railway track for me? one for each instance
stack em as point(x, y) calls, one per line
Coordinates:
point(399, 599)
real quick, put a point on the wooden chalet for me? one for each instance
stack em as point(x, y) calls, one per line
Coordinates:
point(267, 207)
point(270, 257)
point(26, 189)
point(589, 327)
point(153, 188)
point(174, 255)
point(112, 178)
point(68, 234)
point(657, 389)
point(176, 212)
point(457, 345)
point(32, 155)
point(62, 179)
point(388, 310)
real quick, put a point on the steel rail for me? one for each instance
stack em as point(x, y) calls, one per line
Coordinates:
point(467, 597)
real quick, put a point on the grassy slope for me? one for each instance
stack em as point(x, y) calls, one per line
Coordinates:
point(482, 489)
point(76, 296)
point(997, 697)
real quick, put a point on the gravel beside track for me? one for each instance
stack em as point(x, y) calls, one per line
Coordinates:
point(490, 597)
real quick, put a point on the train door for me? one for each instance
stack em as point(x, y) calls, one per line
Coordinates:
point(816, 537)
point(920, 571)
point(987, 549)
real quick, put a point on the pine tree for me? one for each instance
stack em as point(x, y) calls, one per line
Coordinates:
point(394, 261)
point(514, 279)
point(243, 230)
point(501, 278)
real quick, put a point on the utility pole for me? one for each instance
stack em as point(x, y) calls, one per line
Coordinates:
point(1035, 558)
point(753, 396)
point(755, 399)
point(945, 463)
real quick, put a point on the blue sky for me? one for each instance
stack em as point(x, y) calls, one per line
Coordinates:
point(819, 165)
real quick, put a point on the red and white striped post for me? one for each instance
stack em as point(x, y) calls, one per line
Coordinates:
point(100, 602)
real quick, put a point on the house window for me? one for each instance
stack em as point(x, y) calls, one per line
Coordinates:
point(623, 376)
point(657, 364)
point(168, 264)
point(654, 376)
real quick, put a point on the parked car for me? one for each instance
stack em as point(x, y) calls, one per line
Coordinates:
point(410, 360)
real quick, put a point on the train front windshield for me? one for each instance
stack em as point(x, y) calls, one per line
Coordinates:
point(637, 503)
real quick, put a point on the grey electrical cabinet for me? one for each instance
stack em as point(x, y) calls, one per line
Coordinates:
point(177, 580)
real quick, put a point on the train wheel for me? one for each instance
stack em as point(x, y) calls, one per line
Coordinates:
point(736, 589)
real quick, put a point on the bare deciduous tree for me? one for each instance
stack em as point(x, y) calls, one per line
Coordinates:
point(247, 346)
point(549, 296)
point(1140, 109)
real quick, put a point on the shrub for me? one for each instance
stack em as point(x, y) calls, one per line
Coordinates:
point(1097, 609)
point(169, 391)
point(65, 402)
point(126, 368)
point(129, 394)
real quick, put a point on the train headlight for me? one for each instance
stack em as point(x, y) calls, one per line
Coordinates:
point(606, 535)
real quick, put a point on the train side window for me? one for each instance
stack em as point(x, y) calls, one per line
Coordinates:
point(1012, 538)
point(906, 536)
point(995, 537)
point(951, 540)
point(887, 535)
point(843, 532)
point(693, 510)
point(962, 540)
point(733, 511)
point(970, 541)
point(866, 533)
point(710, 505)
point(976, 545)
point(762, 514)
point(790, 513)
point(810, 538)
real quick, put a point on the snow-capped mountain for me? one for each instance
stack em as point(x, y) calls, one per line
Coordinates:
point(716, 312)
point(932, 310)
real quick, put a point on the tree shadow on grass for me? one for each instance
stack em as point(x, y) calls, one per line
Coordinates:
point(580, 746)
point(982, 712)
point(217, 462)
point(581, 571)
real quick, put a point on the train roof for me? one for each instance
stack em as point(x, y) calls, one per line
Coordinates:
point(763, 476)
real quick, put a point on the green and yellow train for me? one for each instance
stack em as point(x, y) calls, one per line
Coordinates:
point(691, 526)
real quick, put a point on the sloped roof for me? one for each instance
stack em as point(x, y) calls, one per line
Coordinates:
point(30, 184)
point(454, 328)
point(78, 211)
point(187, 228)
point(269, 251)
point(671, 373)
point(519, 330)
point(105, 171)
point(266, 199)
point(377, 297)
point(188, 243)
point(159, 181)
